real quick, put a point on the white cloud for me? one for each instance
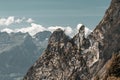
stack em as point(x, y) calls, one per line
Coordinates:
point(68, 30)
point(12, 20)
point(78, 26)
point(32, 30)
point(52, 28)
point(19, 20)
point(2, 21)
point(35, 28)
point(7, 21)
point(29, 20)
point(87, 30)
point(7, 30)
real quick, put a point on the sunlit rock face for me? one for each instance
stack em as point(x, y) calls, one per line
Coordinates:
point(65, 58)
point(80, 57)
point(62, 59)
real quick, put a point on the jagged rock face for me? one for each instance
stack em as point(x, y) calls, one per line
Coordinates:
point(111, 70)
point(58, 36)
point(82, 58)
point(107, 34)
point(114, 67)
point(61, 60)
point(108, 30)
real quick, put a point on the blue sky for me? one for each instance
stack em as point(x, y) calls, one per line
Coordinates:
point(54, 12)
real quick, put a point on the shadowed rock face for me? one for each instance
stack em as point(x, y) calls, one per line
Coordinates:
point(109, 28)
point(107, 33)
point(81, 58)
point(111, 70)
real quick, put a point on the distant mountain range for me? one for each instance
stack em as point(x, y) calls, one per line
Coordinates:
point(18, 51)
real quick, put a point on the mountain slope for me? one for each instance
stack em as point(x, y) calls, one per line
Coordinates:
point(107, 33)
point(59, 61)
point(81, 58)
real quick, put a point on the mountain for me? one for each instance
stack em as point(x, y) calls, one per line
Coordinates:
point(41, 36)
point(18, 51)
point(95, 57)
point(41, 39)
point(108, 35)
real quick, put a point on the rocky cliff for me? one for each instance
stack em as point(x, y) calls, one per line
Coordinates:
point(96, 57)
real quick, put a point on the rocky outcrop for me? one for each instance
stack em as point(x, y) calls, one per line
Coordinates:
point(107, 34)
point(61, 60)
point(81, 58)
point(111, 70)
point(108, 30)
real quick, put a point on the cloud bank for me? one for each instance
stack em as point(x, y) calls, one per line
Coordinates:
point(7, 30)
point(32, 30)
point(68, 30)
point(35, 28)
point(7, 21)
point(12, 20)
point(29, 20)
